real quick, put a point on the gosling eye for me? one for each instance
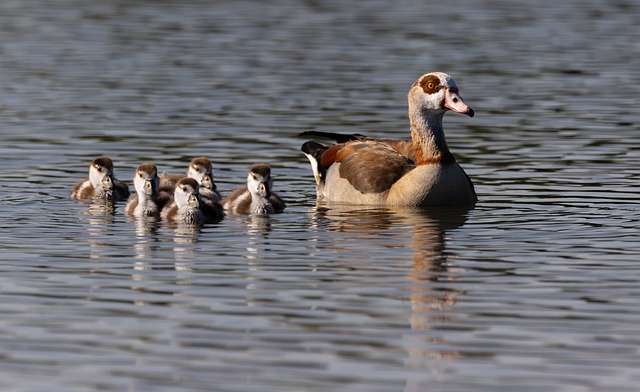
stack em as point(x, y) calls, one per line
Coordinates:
point(98, 168)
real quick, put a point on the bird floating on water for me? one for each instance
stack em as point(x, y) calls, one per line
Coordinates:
point(200, 169)
point(421, 172)
point(101, 183)
point(148, 201)
point(189, 207)
point(256, 197)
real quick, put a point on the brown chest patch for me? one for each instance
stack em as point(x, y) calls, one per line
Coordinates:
point(442, 158)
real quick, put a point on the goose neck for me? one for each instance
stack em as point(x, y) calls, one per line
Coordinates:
point(428, 137)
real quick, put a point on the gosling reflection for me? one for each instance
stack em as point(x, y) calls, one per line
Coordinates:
point(432, 289)
point(258, 247)
point(147, 242)
point(100, 211)
point(100, 216)
point(258, 229)
point(185, 237)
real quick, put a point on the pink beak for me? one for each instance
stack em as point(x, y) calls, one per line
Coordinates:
point(453, 101)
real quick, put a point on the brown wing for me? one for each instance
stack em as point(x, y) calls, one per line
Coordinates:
point(169, 212)
point(131, 205)
point(169, 181)
point(404, 147)
point(372, 166)
point(232, 203)
point(83, 190)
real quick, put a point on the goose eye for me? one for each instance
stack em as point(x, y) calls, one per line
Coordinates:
point(431, 85)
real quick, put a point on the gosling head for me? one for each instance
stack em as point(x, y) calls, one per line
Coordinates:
point(201, 170)
point(187, 193)
point(259, 180)
point(146, 180)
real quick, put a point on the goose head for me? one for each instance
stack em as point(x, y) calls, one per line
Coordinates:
point(146, 180)
point(435, 93)
point(259, 180)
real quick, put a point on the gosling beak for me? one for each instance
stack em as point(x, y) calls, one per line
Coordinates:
point(107, 182)
point(263, 190)
point(193, 201)
point(206, 182)
point(149, 189)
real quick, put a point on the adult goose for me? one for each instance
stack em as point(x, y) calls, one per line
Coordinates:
point(420, 173)
point(101, 183)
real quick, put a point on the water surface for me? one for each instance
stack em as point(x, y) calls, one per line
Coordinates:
point(535, 289)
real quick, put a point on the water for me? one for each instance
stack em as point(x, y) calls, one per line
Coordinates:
point(535, 289)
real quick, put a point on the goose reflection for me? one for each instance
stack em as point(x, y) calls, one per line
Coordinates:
point(432, 288)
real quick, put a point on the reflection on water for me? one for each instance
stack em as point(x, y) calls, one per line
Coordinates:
point(184, 238)
point(100, 217)
point(258, 228)
point(146, 235)
point(431, 292)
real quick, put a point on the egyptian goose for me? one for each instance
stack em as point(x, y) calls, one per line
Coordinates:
point(101, 183)
point(200, 169)
point(148, 201)
point(256, 197)
point(188, 207)
point(419, 173)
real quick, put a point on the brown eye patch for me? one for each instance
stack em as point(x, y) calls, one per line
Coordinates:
point(431, 84)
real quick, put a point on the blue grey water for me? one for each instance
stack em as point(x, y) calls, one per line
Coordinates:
point(534, 289)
